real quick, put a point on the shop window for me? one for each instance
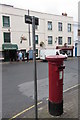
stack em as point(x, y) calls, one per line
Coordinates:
point(49, 39)
point(6, 21)
point(69, 40)
point(49, 25)
point(60, 40)
point(59, 26)
point(6, 37)
point(36, 27)
point(36, 39)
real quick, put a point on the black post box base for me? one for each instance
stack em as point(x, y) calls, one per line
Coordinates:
point(55, 109)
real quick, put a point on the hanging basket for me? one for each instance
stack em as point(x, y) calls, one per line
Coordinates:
point(42, 44)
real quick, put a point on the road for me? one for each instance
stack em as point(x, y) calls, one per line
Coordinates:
point(18, 84)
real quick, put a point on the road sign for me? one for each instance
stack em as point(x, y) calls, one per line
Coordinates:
point(28, 19)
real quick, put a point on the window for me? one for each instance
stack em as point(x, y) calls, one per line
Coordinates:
point(6, 37)
point(49, 39)
point(49, 25)
point(69, 40)
point(36, 27)
point(6, 21)
point(59, 26)
point(69, 27)
point(60, 40)
point(36, 39)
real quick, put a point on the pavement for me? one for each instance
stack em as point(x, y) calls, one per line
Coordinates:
point(70, 106)
point(8, 62)
point(2, 62)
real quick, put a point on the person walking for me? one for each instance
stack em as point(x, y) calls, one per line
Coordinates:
point(27, 54)
point(20, 55)
point(17, 56)
point(23, 56)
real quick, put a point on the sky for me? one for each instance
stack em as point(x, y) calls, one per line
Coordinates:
point(47, 6)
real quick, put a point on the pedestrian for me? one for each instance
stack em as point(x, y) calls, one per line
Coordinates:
point(17, 56)
point(23, 56)
point(57, 53)
point(27, 54)
point(20, 55)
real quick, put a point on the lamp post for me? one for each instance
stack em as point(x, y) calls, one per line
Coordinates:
point(35, 71)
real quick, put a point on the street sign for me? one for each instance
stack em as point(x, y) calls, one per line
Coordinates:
point(28, 19)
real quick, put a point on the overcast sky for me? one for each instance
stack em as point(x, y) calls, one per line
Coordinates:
point(48, 6)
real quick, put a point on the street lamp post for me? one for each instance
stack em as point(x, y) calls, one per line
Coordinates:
point(35, 71)
point(34, 21)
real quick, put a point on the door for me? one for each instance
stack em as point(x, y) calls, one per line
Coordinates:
point(75, 49)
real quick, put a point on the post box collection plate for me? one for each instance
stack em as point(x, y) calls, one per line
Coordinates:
point(60, 75)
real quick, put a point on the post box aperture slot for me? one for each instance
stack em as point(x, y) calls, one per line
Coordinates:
point(61, 67)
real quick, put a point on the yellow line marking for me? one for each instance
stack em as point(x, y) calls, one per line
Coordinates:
point(24, 111)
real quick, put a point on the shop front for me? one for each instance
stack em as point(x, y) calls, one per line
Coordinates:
point(66, 49)
point(9, 52)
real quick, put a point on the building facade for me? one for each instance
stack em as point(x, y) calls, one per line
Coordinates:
point(53, 31)
point(79, 28)
point(75, 50)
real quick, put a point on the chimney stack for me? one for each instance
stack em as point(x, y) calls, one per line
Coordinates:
point(64, 14)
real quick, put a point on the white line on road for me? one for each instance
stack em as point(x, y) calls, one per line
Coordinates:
point(69, 88)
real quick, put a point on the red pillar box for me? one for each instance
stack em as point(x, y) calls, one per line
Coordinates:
point(56, 84)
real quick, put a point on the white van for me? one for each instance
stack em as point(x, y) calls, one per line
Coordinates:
point(47, 52)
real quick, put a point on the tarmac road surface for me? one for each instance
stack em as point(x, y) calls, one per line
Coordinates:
point(18, 84)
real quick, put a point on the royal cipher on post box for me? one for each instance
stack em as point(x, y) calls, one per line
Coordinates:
point(55, 101)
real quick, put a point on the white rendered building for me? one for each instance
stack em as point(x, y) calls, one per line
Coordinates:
point(79, 28)
point(54, 31)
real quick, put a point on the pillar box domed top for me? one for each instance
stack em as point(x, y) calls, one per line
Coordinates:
point(55, 58)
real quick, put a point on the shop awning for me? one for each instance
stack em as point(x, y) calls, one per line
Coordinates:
point(65, 48)
point(9, 46)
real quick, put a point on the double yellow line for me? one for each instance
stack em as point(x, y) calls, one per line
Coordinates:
point(15, 116)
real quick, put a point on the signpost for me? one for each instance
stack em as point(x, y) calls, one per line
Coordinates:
point(29, 32)
point(34, 21)
point(28, 19)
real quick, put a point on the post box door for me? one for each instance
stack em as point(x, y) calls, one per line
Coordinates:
point(60, 86)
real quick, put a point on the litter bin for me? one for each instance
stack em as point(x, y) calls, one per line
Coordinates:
point(55, 101)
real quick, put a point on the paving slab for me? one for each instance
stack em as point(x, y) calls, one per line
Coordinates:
point(70, 106)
